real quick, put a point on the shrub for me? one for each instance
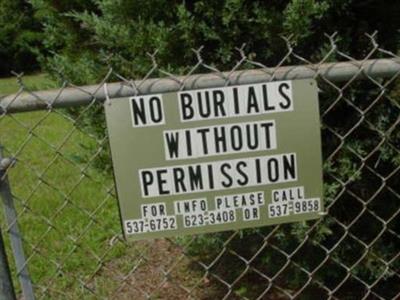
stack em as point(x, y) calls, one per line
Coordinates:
point(83, 38)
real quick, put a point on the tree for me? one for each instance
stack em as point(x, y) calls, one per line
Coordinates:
point(19, 35)
point(82, 38)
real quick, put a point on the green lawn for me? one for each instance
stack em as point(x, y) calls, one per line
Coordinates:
point(68, 214)
point(32, 82)
point(67, 211)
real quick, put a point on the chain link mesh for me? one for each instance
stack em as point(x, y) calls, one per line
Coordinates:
point(67, 209)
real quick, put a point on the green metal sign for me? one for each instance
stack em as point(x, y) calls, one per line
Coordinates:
point(217, 159)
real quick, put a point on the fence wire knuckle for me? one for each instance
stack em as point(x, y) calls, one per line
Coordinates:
point(58, 166)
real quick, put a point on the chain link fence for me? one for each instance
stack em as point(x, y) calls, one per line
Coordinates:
point(60, 218)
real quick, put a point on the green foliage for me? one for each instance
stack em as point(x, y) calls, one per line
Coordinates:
point(19, 35)
point(300, 14)
point(84, 38)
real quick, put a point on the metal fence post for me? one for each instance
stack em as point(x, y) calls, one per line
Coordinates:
point(15, 236)
point(6, 285)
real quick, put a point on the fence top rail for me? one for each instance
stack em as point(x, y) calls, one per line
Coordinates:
point(77, 96)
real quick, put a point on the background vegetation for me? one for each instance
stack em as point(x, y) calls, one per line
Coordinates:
point(79, 40)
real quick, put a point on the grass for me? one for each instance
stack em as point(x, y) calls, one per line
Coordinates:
point(66, 209)
point(33, 82)
point(68, 215)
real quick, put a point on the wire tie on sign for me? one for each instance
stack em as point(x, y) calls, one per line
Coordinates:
point(108, 100)
point(114, 239)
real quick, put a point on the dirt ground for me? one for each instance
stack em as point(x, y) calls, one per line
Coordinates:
point(162, 271)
